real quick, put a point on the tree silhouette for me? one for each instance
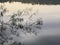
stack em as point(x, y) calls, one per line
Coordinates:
point(18, 22)
point(2, 28)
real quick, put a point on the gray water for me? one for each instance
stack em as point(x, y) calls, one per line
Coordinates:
point(50, 32)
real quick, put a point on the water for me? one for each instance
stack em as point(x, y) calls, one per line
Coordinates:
point(50, 15)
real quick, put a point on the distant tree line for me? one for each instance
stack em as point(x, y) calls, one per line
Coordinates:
point(35, 1)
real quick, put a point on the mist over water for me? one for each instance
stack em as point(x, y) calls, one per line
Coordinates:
point(50, 15)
